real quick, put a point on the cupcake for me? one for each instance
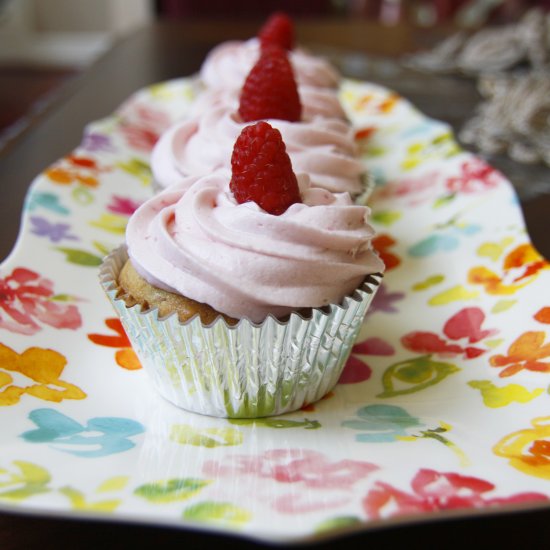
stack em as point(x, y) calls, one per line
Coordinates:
point(227, 65)
point(242, 295)
point(322, 147)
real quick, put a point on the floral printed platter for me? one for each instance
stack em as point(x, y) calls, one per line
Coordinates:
point(443, 407)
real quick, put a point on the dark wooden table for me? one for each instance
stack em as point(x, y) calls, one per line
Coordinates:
point(168, 50)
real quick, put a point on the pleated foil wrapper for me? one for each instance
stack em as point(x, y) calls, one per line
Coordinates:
point(369, 184)
point(247, 370)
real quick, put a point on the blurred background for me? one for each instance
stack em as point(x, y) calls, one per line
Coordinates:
point(45, 43)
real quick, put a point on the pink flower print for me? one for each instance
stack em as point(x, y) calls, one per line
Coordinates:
point(26, 297)
point(436, 491)
point(476, 177)
point(464, 325)
point(122, 205)
point(142, 126)
point(311, 468)
point(411, 190)
point(356, 370)
point(142, 139)
point(291, 470)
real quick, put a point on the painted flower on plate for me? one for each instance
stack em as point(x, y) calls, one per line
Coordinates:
point(525, 353)
point(356, 370)
point(476, 176)
point(465, 325)
point(27, 299)
point(434, 491)
point(283, 478)
point(142, 126)
point(528, 450)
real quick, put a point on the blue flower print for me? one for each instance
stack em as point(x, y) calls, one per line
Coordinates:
point(444, 242)
point(49, 201)
point(64, 432)
point(381, 423)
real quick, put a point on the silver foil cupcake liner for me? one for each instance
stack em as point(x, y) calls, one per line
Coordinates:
point(246, 370)
point(369, 184)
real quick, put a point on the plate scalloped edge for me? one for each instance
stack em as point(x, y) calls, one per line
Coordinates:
point(440, 410)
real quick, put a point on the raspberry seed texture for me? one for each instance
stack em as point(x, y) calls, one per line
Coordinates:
point(270, 89)
point(262, 170)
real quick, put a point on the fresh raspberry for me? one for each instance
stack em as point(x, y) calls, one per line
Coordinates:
point(262, 171)
point(279, 30)
point(270, 90)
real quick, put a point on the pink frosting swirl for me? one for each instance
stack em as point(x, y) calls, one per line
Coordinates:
point(322, 148)
point(316, 102)
point(228, 64)
point(195, 240)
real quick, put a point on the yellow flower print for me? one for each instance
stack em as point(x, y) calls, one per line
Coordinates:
point(528, 450)
point(440, 147)
point(43, 368)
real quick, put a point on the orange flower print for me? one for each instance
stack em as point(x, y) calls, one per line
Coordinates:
point(528, 450)
point(381, 103)
point(364, 133)
point(125, 356)
point(543, 315)
point(524, 354)
point(381, 243)
point(362, 138)
point(43, 368)
point(519, 268)
point(75, 169)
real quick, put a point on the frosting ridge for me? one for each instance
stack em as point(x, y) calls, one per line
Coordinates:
point(324, 148)
point(195, 240)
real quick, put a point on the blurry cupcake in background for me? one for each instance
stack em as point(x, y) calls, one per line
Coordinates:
point(228, 64)
point(323, 147)
point(242, 292)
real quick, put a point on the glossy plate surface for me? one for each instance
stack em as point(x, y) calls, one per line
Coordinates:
point(443, 407)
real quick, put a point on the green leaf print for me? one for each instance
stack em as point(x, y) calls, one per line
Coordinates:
point(217, 512)
point(414, 375)
point(184, 434)
point(137, 168)
point(386, 217)
point(80, 257)
point(444, 200)
point(275, 422)
point(338, 523)
point(103, 248)
point(171, 490)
